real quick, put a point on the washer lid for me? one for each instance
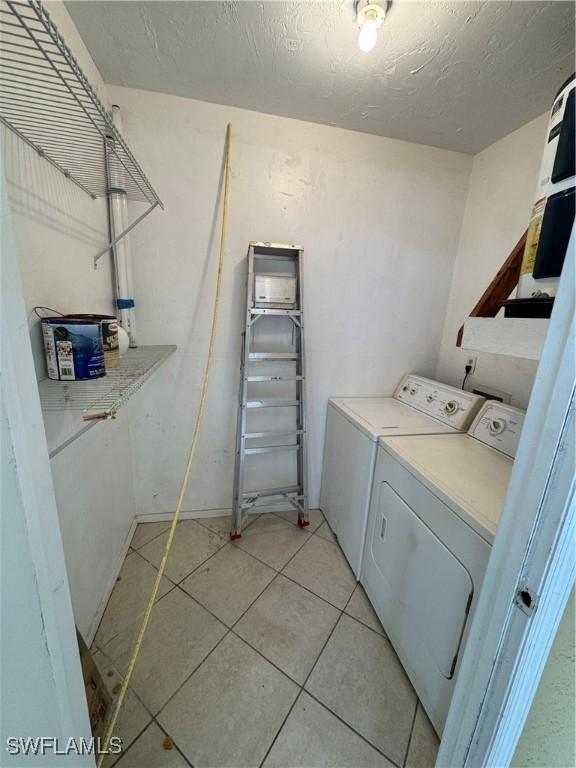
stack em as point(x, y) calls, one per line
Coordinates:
point(377, 416)
point(470, 477)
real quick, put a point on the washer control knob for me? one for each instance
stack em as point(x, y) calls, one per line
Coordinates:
point(429, 398)
point(412, 390)
point(496, 426)
point(405, 388)
point(451, 407)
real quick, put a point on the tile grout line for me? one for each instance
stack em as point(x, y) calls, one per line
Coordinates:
point(353, 729)
point(302, 688)
point(179, 586)
point(135, 549)
point(381, 634)
point(227, 541)
point(180, 752)
point(196, 668)
point(101, 647)
point(228, 631)
point(139, 700)
point(322, 703)
point(277, 572)
point(338, 608)
point(231, 630)
point(131, 744)
point(411, 732)
point(178, 583)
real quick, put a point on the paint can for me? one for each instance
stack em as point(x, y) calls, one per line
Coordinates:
point(110, 341)
point(73, 348)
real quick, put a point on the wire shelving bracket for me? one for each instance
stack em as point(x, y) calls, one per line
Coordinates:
point(48, 102)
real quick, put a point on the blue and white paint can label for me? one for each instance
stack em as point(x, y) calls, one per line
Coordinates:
point(74, 350)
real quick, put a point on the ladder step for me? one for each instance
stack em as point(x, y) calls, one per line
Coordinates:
point(273, 433)
point(262, 247)
point(272, 491)
point(279, 503)
point(273, 378)
point(272, 403)
point(261, 311)
point(256, 357)
point(272, 448)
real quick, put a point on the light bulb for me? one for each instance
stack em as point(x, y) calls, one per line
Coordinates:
point(367, 36)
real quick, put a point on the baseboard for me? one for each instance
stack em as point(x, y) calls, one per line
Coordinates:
point(160, 517)
point(111, 582)
point(194, 514)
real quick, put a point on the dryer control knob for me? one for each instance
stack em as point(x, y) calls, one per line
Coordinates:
point(451, 407)
point(429, 398)
point(496, 426)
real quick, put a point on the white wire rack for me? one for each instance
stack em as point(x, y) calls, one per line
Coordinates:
point(101, 398)
point(46, 99)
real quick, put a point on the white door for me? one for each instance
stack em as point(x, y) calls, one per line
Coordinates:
point(422, 594)
point(426, 589)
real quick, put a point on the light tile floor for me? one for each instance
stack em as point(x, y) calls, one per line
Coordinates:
point(263, 652)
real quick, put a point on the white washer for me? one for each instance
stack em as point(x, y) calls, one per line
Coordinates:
point(435, 507)
point(419, 406)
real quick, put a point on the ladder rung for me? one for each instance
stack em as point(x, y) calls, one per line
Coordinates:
point(256, 357)
point(269, 246)
point(261, 311)
point(273, 433)
point(272, 403)
point(272, 491)
point(272, 448)
point(274, 378)
point(279, 503)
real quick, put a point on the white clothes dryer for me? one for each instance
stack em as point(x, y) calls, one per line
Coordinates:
point(436, 503)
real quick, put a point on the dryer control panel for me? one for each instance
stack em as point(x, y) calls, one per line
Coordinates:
point(499, 426)
point(450, 405)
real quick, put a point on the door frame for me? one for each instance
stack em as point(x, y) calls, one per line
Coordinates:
point(533, 551)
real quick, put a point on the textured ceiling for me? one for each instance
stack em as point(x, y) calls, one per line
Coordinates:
point(458, 75)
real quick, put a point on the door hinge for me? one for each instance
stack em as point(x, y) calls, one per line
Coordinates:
point(526, 600)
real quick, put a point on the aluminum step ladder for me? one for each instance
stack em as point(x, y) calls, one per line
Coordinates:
point(272, 385)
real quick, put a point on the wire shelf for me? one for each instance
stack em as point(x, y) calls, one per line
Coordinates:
point(46, 99)
point(103, 397)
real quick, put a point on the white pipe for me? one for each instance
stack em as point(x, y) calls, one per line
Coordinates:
point(118, 205)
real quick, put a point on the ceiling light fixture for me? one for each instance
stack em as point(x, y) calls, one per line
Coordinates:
point(369, 16)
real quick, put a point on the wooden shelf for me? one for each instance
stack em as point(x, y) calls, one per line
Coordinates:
point(511, 336)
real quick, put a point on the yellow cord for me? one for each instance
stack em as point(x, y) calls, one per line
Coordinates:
point(186, 478)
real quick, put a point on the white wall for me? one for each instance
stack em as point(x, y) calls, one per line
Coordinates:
point(96, 508)
point(500, 198)
point(58, 230)
point(58, 227)
point(379, 220)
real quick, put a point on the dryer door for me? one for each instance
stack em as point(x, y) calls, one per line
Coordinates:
point(424, 591)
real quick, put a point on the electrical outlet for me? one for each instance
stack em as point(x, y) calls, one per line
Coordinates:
point(471, 361)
